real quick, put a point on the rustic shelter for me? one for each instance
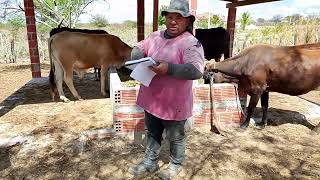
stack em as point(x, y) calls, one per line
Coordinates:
point(32, 31)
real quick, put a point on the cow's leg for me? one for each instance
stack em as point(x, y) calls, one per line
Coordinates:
point(68, 78)
point(264, 106)
point(317, 129)
point(97, 73)
point(59, 79)
point(103, 77)
point(80, 73)
point(252, 105)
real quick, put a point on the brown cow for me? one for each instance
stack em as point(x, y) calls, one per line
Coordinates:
point(70, 51)
point(89, 31)
point(292, 70)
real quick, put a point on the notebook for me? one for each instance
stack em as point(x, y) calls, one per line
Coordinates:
point(141, 71)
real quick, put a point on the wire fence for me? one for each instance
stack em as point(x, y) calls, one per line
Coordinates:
point(15, 45)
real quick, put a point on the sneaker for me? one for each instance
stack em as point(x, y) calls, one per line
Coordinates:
point(142, 168)
point(170, 172)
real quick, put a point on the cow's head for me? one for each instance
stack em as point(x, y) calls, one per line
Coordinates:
point(218, 77)
point(212, 72)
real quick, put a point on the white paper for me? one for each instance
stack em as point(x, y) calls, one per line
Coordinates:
point(142, 73)
point(133, 63)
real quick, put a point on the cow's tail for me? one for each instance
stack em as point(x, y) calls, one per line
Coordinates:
point(52, 82)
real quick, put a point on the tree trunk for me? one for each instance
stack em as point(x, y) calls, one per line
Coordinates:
point(13, 57)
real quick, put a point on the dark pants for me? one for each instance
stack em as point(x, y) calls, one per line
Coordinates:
point(174, 133)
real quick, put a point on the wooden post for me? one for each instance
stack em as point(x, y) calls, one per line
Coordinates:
point(155, 14)
point(140, 17)
point(32, 38)
point(193, 10)
point(231, 24)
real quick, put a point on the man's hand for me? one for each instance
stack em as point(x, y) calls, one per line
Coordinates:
point(161, 69)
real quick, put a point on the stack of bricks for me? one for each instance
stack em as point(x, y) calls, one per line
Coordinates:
point(32, 38)
point(128, 118)
point(226, 107)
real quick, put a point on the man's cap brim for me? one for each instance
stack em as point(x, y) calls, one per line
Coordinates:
point(164, 12)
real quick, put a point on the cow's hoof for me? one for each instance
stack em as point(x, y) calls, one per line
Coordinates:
point(244, 126)
point(260, 126)
point(316, 130)
point(64, 99)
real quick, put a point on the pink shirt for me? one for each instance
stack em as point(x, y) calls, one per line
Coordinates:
point(167, 97)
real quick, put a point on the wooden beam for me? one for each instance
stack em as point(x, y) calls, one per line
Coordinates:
point(247, 2)
point(193, 10)
point(155, 14)
point(140, 21)
point(231, 25)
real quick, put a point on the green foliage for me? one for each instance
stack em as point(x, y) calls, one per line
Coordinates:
point(130, 24)
point(202, 23)
point(266, 31)
point(245, 20)
point(280, 28)
point(276, 19)
point(99, 20)
point(16, 22)
point(2, 25)
point(162, 19)
point(43, 28)
point(51, 13)
point(215, 21)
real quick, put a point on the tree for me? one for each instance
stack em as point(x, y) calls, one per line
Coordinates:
point(276, 19)
point(161, 19)
point(99, 20)
point(50, 12)
point(216, 21)
point(15, 24)
point(245, 20)
point(53, 12)
point(260, 22)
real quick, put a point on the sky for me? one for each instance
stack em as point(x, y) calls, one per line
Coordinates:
point(117, 11)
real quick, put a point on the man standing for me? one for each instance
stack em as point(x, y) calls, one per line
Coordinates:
point(168, 101)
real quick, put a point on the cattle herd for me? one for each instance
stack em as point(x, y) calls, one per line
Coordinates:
point(257, 70)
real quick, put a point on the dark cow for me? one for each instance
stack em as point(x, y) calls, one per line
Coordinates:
point(69, 51)
point(292, 70)
point(89, 31)
point(215, 42)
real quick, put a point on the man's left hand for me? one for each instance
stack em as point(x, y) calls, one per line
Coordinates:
point(161, 69)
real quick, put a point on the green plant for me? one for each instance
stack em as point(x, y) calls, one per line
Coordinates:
point(162, 19)
point(216, 21)
point(16, 22)
point(130, 24)
point(202, 23)
point(245, 20)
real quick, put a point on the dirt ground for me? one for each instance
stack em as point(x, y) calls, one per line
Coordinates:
point(53, 146)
